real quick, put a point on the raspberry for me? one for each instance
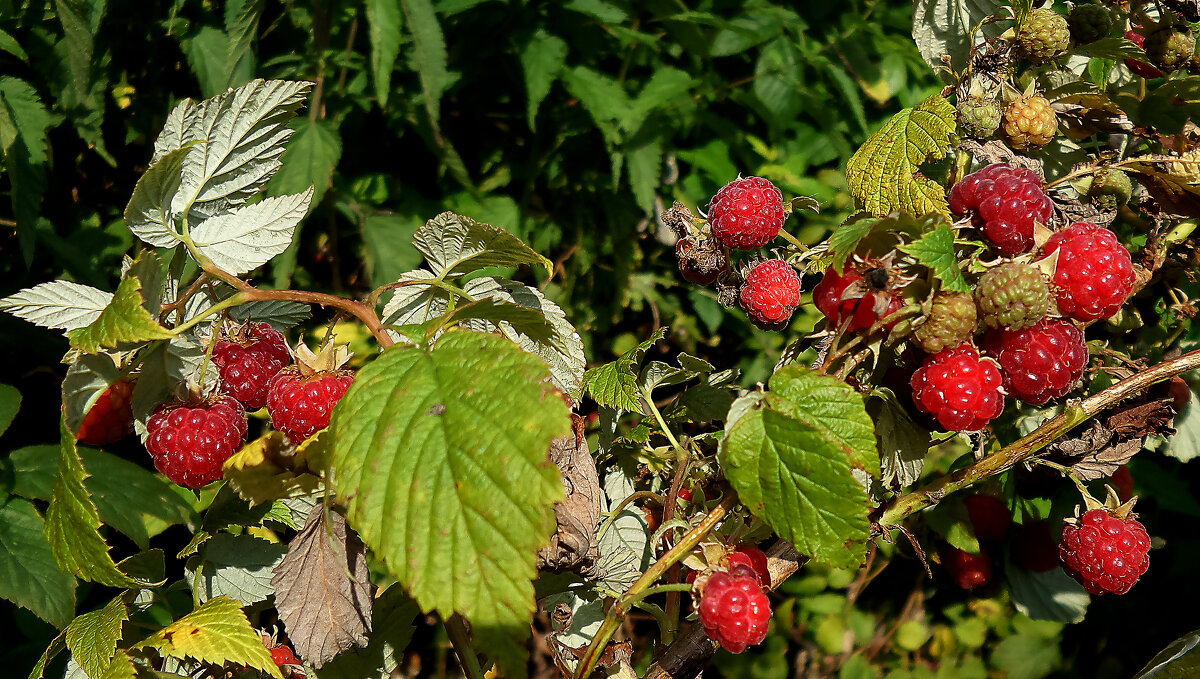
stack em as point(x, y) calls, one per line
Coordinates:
point(862, 311)
point(1004, 202)
point(248, 357)
point(1029, 123)
point(282, 655)
point(300, 405)
point(734, 611)
point(1111, 188)
point(746, 213)
point(771, 294)
point(1170, 47)
point(970, 571)
point(110, 419)
point(951, 321)
point(1140, 67)
point(1104, 553)
point(959, 388)
point(1039, 363)
point(1044, 36)
point(750, 561)
point(1094, 274)
point(190, 441)
point(1033, 547)
point(978, 117)
point(1012, 296)
point(1089, 23)
point(989, 516)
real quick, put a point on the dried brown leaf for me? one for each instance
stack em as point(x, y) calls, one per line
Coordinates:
point(574, 545)
point(323, 588)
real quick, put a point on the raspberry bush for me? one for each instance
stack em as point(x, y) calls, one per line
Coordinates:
point(370, 358)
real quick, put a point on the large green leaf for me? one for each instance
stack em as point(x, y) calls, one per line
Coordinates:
point(216, 632)
point(29, 575)
point(148, 213)
point(440, 457)
point(245, 238)
point(93, 636)
point(123, 320)
point(23, 124)
point(792, 452)
point(60, 305)
point(616, 384)
point(312, 153)
point(384, 19)
point(73, 523)
point(455, 245)
point(884, 175)
point(542, 60)
point(429, 54)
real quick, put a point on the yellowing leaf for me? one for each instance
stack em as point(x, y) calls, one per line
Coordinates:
point(260, 473)
point(217, 632)
point(123, 320)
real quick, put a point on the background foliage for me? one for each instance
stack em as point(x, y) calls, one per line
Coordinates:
point(571, 124)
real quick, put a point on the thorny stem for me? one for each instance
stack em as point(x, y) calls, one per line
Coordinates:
point(933, 492)
point(622, 605)
point(457, 631)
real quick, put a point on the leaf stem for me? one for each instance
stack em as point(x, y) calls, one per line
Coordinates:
point(236, 299)
point(933, 492)
point(457, 631)
point(621, 606)
point(787, 236)
point(633, 497)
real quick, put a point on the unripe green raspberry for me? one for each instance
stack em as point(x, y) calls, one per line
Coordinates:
point(978, 117)
point(1044, 36)
point(951, 321)
point(1111, 188)
point(1089, 23)
point(1029, 123)
point(1170, 47)
point(1012, 296)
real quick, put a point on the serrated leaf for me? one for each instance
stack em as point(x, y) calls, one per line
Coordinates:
point(259, 472)
point(10, 404)
point(429, 53)
point(23, 116)
point(244, 239)
point(89, 376)
point(616, 384)
point(454, 245)
point(236, 566)
point(217, 632)
point(312, 153)
point(1050, 595)
point(241, 27)
point(454, 470)
point(124, 320)
point(73, 523)
point(9, 44)
point(391, 629)
point(1115, 47)
point(148, 214)
point(935, 249)
point(323, 588)
point(791, 454)
point(542, 60)
point(60, 305)
point(884, 174)
point(164, 365)
point(944, 27)
point(93, 636)
point(278, 314)
point(384, 20)
point(902, 443)
point(416, 303)
point(29, 575)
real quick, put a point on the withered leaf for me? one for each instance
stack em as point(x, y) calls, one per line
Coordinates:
point(1112, 439)
point(323, 589)
point(574, 544)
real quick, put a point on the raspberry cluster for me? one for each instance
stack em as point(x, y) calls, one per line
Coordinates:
point(746, 213)
point(960, 388)
point(248, 357)
point(1105, 553)
point(190, 441)
point(770, 294)
point(1004, 202)
point(734, 610)
point(1094, 273)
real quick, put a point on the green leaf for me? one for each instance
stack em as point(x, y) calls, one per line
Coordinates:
point(60, 305)
point(148, 213)
point(1027, 657)
point(429, 47)
point(77, 34)
point(542, 60)
point(616, 384)
point(902, 443)
point(454, 245)
point(9, 44)
point(23, 116)
point(93, 636)
point(884, 174)
point(944, 27)
point(935, 249)
point(73, 523)
point(124, 320)
point(236, 566)
point(383, 20)
point(216, 632)
point(312, 153)
point(245, 238)
point(1116, 47)
point(441, 458)
point(1179, 660)
point(387, 246)
point(791, 454)
point(779, 81)
point(241, 27)
point(10, 403)
point(1050, 595)
point(1184, 444)
point(29, 575)
point(846, 237)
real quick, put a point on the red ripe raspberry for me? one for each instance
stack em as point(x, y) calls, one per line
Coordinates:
point(1004, 202)
point(1140, 67)
point(111, 419)
point(828, 296)
point(248, 358)
point(1039, 363)
point(1033, 547)
point(301, 405)
point(282, 655)
point(746, 213)
point(771, 294)
point(969, 571)
point(734, 611)
point(960, 388)
point(750, 561)
point(190, 442)
point(1105, 553)
point(989, 516)
point(1094, 274)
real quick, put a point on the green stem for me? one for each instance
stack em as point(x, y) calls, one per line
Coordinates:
point(457, 630)
point(1000, 461)
point(659, 589)
point(633, 497)
point(793, 240)
point(236, 299)
point(622, 605)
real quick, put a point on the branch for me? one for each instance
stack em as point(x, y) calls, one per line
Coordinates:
point(1051, 430)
